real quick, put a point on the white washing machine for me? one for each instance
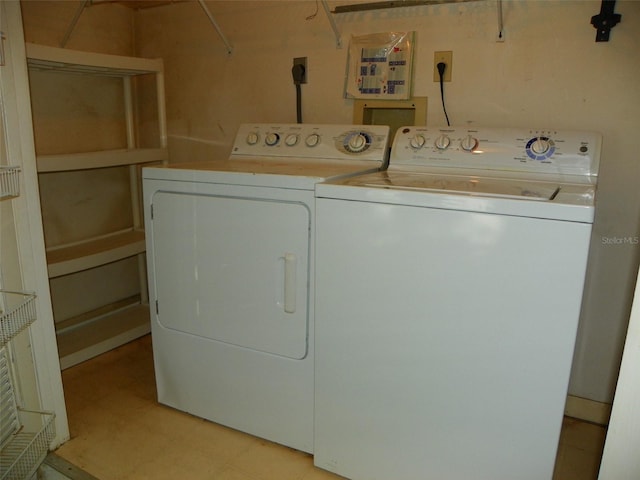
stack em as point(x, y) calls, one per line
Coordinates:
point(448, 291)
point(230, 250)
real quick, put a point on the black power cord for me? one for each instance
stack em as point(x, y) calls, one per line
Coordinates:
point(441, 68)
point(297, 71)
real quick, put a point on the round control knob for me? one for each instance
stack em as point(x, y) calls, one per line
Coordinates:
point(442, 142)
point(417, 141)
point(356, 143)
point(312, 140)
point(253, 138)
point(272, 139)
point(291, 140)
point(540, 145)
point(469, 143)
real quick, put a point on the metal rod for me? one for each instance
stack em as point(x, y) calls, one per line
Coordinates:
point(215, 25)
point(392, 4)
point(76, 17)
point(333, 24)
point(500, 26)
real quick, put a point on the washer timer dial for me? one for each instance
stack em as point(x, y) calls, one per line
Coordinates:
point(540, 148)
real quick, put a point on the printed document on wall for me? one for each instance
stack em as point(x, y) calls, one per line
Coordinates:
point(380, 66)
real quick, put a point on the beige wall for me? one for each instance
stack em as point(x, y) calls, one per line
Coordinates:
point(549, 73)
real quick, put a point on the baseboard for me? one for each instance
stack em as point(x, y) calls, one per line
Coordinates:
point(588, 410)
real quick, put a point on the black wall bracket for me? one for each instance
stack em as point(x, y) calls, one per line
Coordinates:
point(605, 20)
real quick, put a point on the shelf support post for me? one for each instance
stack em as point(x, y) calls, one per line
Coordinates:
point(134, 185)
point(216, 26)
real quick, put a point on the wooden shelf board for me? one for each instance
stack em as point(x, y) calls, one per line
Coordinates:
point(44, 57)
point(93, 253)
point(101, 159)
point(102, 311)
point(99, 335)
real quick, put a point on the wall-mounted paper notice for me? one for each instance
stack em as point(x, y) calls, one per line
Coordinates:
point(379, 66)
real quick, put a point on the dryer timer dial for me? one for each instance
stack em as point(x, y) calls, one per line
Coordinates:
point(357, 142)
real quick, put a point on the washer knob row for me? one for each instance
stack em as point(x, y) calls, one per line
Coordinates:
point(442, 142)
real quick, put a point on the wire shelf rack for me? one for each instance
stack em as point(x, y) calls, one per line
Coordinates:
point(28, 446)
point(25, 435)
point(9, 182)
point(17, 311)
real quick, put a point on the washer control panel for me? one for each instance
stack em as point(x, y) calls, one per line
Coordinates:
point(314, 141)
point(509, 149)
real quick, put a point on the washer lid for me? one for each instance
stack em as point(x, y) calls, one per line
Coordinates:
point(505, 196)
point(464, 185)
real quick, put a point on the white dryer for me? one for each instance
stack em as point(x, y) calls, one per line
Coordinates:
point(230, 255)
point(448, 291)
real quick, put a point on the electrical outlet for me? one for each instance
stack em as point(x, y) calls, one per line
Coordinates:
point(302, 61)
point(447, 59)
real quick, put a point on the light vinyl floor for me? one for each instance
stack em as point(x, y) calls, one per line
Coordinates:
point(120, 432)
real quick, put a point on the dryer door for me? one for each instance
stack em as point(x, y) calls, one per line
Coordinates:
point(233, 270)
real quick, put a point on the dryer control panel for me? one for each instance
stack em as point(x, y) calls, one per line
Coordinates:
point(313, 141)
point(539, 151)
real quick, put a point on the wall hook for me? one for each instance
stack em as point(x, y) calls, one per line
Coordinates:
point(605, 20)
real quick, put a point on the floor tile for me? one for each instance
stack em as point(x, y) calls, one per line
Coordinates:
point(268, 461)
point(120, 432)
point(580, 450)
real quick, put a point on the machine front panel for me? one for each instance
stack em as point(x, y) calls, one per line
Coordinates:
point(233, 270)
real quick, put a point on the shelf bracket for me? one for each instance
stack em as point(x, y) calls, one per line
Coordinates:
point(73, 23)
point(605, 20)
point(216, 26)
point(333, 24)
point(2, 49)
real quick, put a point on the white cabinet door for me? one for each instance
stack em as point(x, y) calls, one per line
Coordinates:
point(233, 270)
